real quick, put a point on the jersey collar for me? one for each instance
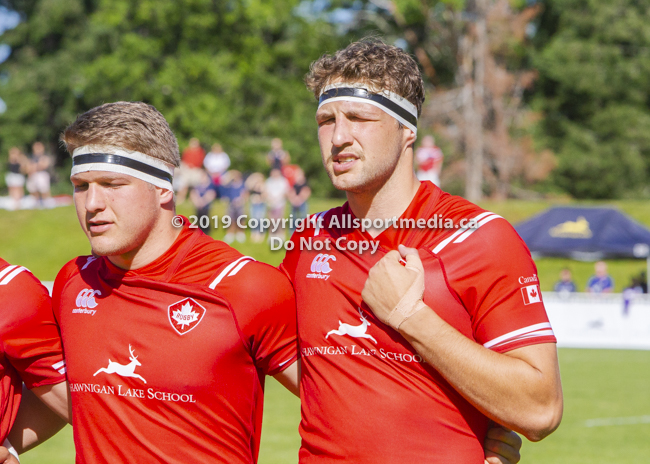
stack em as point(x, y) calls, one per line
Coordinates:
point(422, 206)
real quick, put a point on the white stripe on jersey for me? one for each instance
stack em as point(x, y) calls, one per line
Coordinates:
point(531, 331)
point(316, 221)
point(446, 241)
point(60, 367)
point(538, 333)
point(284, 362)
point(229, 268)
point(16, 270)
point(239, 266)
point(472, 230)
point(7, 270)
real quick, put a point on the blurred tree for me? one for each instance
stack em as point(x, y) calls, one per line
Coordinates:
point(594, 90)
point(226, 71)
point(473, 54)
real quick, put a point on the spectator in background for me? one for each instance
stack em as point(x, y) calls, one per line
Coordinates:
point(298, 196)
point(629, 294)
point(277, 157)
point(257, 200)
point(289, 172)
point(38, 179)
point(216, 162)
point(234, 191)
point(15, 176)
point(277, 189)
point(191, 168)
point(565, 284)
point(202, 196)
point(601, 281)
point(428, 159)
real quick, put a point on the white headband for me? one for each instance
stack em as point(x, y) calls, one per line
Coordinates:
point(391, 103)
point(114, 159)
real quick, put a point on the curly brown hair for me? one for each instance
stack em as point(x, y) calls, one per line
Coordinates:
point(135, 126)
point(370, 61)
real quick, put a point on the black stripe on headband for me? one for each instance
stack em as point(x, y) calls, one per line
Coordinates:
point(363, 93)
point(122, 161)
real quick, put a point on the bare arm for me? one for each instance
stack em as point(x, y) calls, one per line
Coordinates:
point(290, 378)
point(43, 412)
point(520, 389)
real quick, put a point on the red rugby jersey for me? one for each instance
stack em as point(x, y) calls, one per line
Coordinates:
point(367, 396)
point(167, 363)
point(30, 347)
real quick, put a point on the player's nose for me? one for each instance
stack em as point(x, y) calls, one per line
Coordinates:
point(94, 198)
point(342, 134)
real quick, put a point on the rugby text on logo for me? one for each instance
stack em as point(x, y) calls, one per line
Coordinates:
point(185, 315)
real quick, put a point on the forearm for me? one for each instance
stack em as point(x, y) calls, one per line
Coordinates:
point(505, 387)
point(34, 423)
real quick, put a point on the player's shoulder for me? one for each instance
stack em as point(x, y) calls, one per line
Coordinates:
point(455, 207)
point(21, 293)
point(260, 284)
point(249, 275)
point(10, 274)
point(475, 230)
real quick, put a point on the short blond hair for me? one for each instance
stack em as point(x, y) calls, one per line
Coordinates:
point(135, 126)
point(373, 62)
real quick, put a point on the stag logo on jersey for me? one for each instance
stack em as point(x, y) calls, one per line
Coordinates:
point(320, 266)
point(354, 331)
point(531, 294)
point(123, 370)
point(86, 302)
point(184, 315)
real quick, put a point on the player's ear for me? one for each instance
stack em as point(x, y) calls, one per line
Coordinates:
point(165, 195)
point(408, 136)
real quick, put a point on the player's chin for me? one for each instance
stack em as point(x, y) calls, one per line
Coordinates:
point(347, 182)
point(103, 247)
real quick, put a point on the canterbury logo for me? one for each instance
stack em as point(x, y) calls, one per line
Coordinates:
point(86, 298)
point(321, 263)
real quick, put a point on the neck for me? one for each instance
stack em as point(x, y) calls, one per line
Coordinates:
point(159, 239)
point(391, 198)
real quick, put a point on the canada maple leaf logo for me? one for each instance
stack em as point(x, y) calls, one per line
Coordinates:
point(184, 315)
point(533, 293)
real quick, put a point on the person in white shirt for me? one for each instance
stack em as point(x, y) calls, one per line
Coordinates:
point(216, 162)
point(277, 189)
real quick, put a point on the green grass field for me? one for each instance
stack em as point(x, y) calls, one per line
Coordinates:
point(598, 384)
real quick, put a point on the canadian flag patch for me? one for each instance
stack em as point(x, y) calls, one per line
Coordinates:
point(184, 315)
point(531, 294)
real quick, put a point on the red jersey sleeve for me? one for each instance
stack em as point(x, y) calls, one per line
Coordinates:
point(290, 261)
point(496, 278)
point(264, 304)
point(30, 336)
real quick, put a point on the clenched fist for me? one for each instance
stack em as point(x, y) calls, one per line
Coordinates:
point(394, 292)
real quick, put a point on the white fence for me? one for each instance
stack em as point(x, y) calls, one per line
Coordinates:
point(586, 320)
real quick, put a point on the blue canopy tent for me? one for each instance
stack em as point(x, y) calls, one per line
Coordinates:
point(585, 234)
